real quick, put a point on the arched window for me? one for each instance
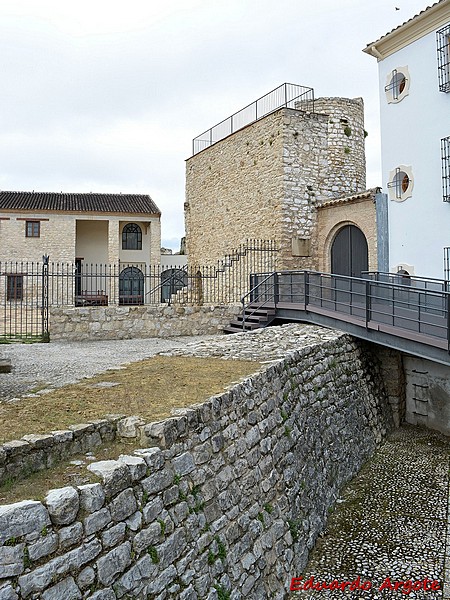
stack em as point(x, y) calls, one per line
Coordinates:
point(131, 237)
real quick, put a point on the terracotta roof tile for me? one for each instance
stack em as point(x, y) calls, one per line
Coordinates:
point(359, 196)
point(91, 202)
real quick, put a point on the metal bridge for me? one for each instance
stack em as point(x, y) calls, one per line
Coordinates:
point(407, 313)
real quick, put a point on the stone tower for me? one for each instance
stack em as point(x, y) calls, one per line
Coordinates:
point(266, 180)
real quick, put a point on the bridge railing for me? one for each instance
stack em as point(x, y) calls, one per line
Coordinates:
point(415, 309)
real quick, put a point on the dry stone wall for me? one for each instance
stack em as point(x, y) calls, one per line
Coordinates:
point(127, 322)
point(225, 501)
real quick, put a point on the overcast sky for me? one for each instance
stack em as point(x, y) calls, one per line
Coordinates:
point(106, 96)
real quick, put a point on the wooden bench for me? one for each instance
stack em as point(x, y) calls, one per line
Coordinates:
point(98, 298)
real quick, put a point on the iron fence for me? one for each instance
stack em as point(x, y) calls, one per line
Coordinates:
point(24, 301)
point(29, 289)
point(287, 95)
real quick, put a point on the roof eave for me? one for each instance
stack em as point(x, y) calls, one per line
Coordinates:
point(422, 24)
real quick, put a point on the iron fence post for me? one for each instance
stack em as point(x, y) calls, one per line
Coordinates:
point(276, 289)
point(45, 333)
point(367, 303)
point(448, 321)
point(306, 273)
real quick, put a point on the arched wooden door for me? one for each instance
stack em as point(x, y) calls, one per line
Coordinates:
point(349, 252)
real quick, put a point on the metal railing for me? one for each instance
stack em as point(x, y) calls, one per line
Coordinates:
point(414, 311)
point(287, 95)
point(25, 294)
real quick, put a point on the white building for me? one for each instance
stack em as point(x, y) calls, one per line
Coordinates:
point(414, 79)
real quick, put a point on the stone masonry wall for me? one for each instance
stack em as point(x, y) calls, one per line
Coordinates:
point(126, 322)
point(266, 180)
point(57, 238)
point(234, 191)
point(346, 173)
point(226, 500)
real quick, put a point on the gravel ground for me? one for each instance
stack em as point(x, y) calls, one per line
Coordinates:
point(60, 363)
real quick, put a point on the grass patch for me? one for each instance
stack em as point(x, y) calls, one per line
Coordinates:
point(150, 389)
point(36, 485)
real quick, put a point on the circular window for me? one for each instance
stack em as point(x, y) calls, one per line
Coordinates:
point(400, 183)
point(397, 85)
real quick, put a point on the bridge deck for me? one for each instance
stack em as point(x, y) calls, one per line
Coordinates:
point(411, 318)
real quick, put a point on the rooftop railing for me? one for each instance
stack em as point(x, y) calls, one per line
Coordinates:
point(287, 95)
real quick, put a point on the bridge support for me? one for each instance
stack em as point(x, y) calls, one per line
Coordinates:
point(393, 374)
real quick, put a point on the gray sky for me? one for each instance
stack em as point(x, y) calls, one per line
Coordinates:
point(106, 96)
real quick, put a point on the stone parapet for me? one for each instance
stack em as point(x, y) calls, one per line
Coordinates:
point(125, 322)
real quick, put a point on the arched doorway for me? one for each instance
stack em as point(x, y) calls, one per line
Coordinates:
point(349, 252)
point(131, 286)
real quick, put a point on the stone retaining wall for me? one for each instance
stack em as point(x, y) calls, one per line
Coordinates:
point(226, 500)
point(33, 453)
point(125, 322)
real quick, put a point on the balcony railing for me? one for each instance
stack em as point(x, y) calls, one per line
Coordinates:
point(288, 95)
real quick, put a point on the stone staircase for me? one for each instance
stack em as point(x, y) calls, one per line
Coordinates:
point(253, 317)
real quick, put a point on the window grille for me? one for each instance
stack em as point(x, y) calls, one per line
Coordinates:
point(397, 84)
point(443, 55)
point(400, 183)
point(14, 290)
point(131, 237)
point(445, 150)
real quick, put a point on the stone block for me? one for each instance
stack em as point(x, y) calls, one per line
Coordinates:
point(63, 505)
point(113, 563)
point(7, 592)
point(92, 497)
point(70, 535)
point(66, 588)
point(116, 476)
point(11, 560)
point(123, 505)
point(97, 521)
point(136, 465)
point(43, 547)
point(22, 518)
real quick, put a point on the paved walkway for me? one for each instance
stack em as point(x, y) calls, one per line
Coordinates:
point(390, 522)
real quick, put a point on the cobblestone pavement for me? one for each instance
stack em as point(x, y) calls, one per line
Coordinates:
point(390, 522)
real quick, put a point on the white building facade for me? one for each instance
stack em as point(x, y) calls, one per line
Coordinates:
point(414, 79)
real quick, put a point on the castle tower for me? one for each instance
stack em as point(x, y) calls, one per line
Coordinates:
point(266, 180)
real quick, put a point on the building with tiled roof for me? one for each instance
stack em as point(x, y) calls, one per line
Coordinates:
point(123, 230)
point(76, 203)
point(414, 84)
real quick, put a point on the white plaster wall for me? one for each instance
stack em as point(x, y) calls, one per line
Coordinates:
point(92, 241)
point(411, 133)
